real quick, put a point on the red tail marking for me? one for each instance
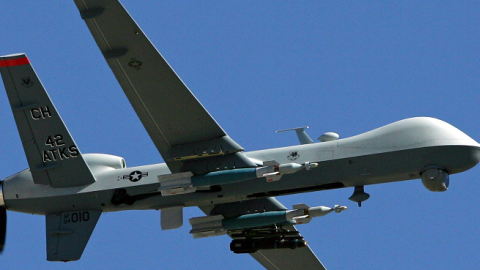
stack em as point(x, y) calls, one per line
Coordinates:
point(14, 62)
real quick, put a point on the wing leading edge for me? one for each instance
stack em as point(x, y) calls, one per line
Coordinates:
point(180, 127)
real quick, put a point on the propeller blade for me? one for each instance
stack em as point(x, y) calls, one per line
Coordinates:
point(3, 227)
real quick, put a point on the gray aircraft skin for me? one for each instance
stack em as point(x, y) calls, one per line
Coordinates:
point(204, 167)
point(396, 152)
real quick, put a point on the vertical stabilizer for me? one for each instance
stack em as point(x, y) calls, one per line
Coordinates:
point(53, 157)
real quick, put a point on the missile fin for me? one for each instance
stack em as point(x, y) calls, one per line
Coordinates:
point(270, 163)
point(303, 220)
point(272, 176)
point(300, 206)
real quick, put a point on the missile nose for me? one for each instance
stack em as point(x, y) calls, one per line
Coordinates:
point(339, 208)
point(319, 211)
point(289, 168)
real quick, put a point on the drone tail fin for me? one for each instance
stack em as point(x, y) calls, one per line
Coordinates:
point(53, 157)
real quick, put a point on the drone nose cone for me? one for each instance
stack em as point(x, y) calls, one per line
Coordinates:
point(440, 132)
point(471, 157)
point(407, 134)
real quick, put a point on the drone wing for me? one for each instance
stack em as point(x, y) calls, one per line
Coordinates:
point(185, 134)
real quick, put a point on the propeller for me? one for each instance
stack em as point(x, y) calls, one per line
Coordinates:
point(3, 219)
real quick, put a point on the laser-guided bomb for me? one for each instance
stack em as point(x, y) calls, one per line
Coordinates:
point(181, 183)
point(218, 224)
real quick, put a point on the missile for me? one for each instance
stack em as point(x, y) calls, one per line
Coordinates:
point(218, 225)
point(186, 182)
point(311, 212)
point(273, 171)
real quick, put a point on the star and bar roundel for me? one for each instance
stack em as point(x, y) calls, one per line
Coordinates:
point(135, 176)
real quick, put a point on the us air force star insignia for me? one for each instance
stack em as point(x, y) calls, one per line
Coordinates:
point(135, 63)
point(27, 82)
point(293, 155)
point(135, 176)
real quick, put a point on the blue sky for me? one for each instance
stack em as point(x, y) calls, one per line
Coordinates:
point(260, 66)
